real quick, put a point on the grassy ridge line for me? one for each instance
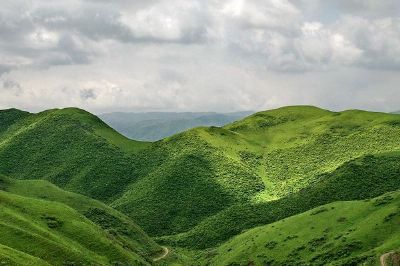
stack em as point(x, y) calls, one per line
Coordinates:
point(256, 159)
point(41, 220)
point(340, 233)
point(72, 149)
point(363, 178)
point(324, 139)
point(10, 117)
point(190, 181)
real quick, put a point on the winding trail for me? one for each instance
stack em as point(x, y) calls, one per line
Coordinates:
point(383, 258)
point(163, 255)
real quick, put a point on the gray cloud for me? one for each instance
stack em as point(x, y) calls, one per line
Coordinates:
point(87, 94)
point(13, 86)
point(185, 55)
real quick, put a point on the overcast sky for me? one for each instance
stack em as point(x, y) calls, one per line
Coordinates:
point(199, 55)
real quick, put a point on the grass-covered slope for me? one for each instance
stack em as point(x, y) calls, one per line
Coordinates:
point(9, 117)
point(300, 143)
point(363, 178)
point(70, 148)
point(266, 156)
point(340, 233)
point(187, 180)
point(78, 152)
point(41, 224)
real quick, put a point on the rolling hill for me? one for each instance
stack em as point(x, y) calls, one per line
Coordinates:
point(363, 178)
point(343, 233)
point(265, 157)
point(198, 188)
point(71, 148)
point(154, 126)
point(44, 225)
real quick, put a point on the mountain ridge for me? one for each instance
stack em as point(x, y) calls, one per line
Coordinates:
point(202, 176)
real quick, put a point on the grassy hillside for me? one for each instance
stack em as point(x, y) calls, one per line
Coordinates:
point(70, 148)
point(154, 126)
point(300, 143)
point(190, 181)
point(362, 178)
point(197, 181)
point(9, 117)
point(41, 223)
point(267, 156)
point(340, 233)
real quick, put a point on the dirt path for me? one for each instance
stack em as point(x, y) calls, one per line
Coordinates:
point(383, 258)
point(163, 255)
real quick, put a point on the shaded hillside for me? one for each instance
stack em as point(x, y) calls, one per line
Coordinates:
point(264, 157)
point(70, 148)
point(41, 223)
point(362, 178)
point(173, 185)
point(157, 125)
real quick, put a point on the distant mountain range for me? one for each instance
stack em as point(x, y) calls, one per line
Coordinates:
point(153, 126)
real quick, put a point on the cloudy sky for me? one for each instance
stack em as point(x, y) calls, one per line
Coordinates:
point(199, 55)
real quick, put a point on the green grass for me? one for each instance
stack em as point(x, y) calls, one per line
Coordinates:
point(184, 180)
point(9, 256)
point(71, 148)
point(340, 233)
point(40, 222)
point(362, 178)
point(201, 187)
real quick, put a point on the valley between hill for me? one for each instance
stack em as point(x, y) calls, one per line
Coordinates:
point(198, 191)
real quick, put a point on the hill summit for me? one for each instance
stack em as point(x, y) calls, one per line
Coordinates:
point(198, 188)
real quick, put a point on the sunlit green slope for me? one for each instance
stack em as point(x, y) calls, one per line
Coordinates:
point(340, 233)
point(363, 178)
point(41, 224)
point(269, 155)
point(202, 177)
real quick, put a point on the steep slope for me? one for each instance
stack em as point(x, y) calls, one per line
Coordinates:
point(39, 222)
point(184, 180)
point(70, 148)
point(154, 126)
point(359, 179)
point(9, 117)
point(299, 143)
point(201, 175)
point(340, 233)
point(267, 156)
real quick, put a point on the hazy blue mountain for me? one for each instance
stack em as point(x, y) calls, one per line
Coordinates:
point(154, 126)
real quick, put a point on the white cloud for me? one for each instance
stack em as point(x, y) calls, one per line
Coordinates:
point(176, 20)
point(198, 55)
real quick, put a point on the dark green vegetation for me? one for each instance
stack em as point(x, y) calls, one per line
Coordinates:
point(362, 178)
point(157, 125)
point(43, 224)
point(199, 188)
point(346, 233)
point(71, 148)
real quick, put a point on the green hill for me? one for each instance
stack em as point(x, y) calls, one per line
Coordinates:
point(359, 179)
point(71, 148)
point(188, 188)
point(264, 157)
point(43, 225)
point(340, 233)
